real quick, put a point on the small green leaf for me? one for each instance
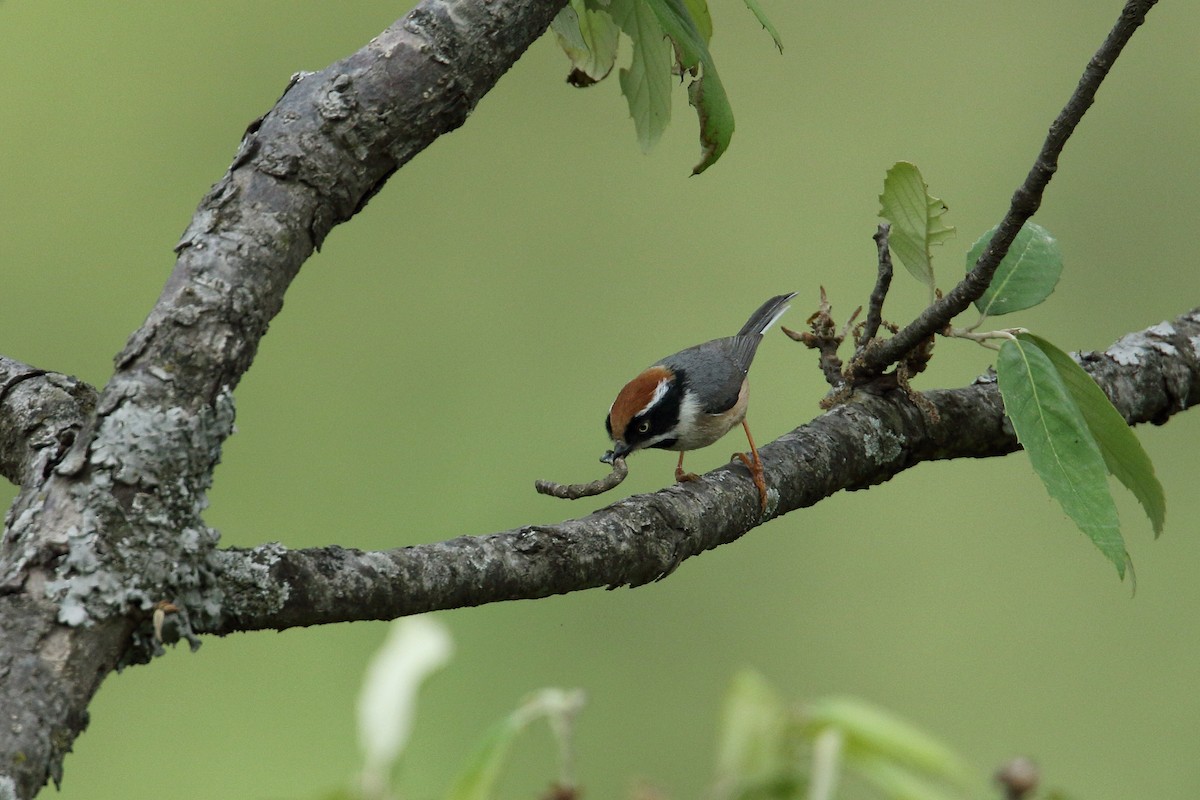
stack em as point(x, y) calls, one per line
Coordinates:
point(705, 93)
point(916, 219)
point(1123, 454)
point(874, 734)
point(647, 82)
point(589, 37)
point(761, 16)
point(1027, 275)
point(1052, 429)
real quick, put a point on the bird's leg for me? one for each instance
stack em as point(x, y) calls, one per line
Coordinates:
point(680, 475)
point(754, 464)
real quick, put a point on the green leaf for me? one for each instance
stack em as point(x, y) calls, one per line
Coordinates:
point(1123, 454)
point(589, 37)
point(1053, 431)
point(647, 82)
point(1027, 275)
point(761, 16)
point(916, 219)
point(876, 735)
point(705, 93)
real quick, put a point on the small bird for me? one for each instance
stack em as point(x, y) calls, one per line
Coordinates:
point(692, 398)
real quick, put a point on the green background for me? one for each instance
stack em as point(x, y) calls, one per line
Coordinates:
point(466, 333)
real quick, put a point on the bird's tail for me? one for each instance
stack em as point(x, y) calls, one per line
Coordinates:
point(766, 315)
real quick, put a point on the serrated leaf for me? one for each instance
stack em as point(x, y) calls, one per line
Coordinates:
point(916, 220)
point(647, 82)
point(1053, 431)
point(1123, 454)
point(1027, 275)
point(705, 93)
point(750, 746)
point(872, 733)
point(761, 16)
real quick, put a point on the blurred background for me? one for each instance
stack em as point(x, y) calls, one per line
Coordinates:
point(466, 333)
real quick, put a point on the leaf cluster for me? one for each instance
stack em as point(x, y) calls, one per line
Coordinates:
point(670, 40)
point(1074, 436)
point(767, 748)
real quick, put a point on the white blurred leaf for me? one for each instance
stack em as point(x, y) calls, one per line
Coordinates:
point(415, 648)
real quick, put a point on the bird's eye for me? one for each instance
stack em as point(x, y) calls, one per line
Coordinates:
point(643, 426)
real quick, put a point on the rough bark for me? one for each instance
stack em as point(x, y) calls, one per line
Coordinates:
point(108, 524)
point(1149, 376)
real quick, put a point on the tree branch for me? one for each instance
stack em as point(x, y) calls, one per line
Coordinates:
point(1149, 376)
point(883, 282)
point(1025, 203)
point(103, 533)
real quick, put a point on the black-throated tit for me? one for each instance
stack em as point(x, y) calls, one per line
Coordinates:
point(692, 398)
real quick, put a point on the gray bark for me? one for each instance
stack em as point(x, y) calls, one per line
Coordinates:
point(1149, 375)
point(108, 525)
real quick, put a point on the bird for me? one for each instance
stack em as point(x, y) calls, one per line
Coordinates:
point(692, 398)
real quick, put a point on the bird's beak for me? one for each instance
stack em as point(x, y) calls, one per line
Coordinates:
point(620, 450)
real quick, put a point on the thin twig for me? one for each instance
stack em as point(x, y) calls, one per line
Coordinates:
point(824, 338)
point(882, 284)
point(1025, 202)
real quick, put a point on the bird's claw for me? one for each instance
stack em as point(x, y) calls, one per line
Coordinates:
point(756, 472)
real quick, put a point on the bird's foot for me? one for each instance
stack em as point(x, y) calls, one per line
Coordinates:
point(681, 476)
point(756, 472)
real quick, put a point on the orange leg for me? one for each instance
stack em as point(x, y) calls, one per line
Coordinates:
point(680, 475)
point(754, 464)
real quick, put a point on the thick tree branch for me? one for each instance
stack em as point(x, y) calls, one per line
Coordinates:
point(114, 527)
point(1025, 203)
point(1149, 376)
